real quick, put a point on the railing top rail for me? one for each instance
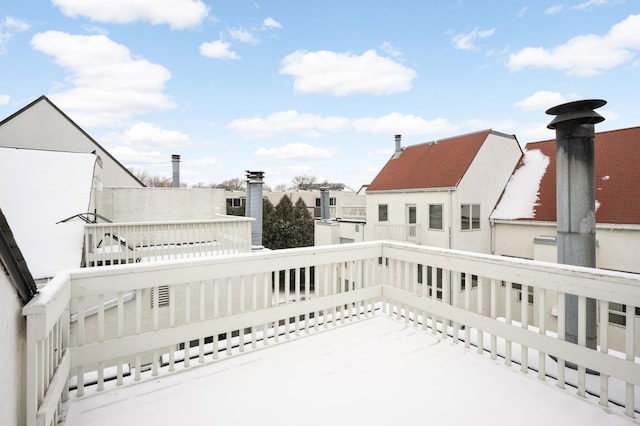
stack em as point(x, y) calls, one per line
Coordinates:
point(219, 219)
point(149, 274)
point(49, 304)
point(590, 282)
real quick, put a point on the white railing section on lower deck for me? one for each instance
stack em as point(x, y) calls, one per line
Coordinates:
point(117, 243)
point(200, 310)
point(396, 232)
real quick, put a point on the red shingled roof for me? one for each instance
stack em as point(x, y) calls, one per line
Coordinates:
point(617, 173)
point(439, 164)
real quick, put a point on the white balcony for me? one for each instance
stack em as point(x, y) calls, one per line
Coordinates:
point(118, 243)
point(396, 232)
point(102, 331)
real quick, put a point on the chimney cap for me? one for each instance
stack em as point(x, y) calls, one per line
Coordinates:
point(175, 156)
point(579, 112)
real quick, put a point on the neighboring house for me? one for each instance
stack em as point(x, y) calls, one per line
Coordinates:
point(38, 191)
point(17, 287)
point(524, 220)
point(342, 204)
point(441, 193)
point(42, 125)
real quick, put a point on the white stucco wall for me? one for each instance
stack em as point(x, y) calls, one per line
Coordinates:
point(12, 353)
point(42, 127)
point(160, 204)
point(326, 233)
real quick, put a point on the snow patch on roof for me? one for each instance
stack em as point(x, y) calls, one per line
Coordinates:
point(39, 189)
point(521, 194)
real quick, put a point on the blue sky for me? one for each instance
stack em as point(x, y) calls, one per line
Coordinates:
point(309, 87)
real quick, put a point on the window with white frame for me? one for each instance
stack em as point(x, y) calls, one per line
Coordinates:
point(463, 281)
point(618, 313)
point(383, 213)
point(469, 217)
point(435, 216)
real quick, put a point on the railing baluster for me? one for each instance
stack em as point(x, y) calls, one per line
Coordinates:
point(630, 332)
point(582, 341)
point(561, 336)
point(216, 314)
point(241, 310)
point(541, 301)
point(494, 314)
point(138, 331)
point(482, 282)
point(524, 323)
point(229, 334)
point(603, 330)
point(202, 298)
point(467, 307)
point(508, 303)
point(254, 307)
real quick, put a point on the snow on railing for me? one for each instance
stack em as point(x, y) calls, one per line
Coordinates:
point(201, 310)
point(117, 243)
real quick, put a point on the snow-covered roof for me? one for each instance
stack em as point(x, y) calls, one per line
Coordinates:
point(377, 371)
point(521, 193)
point(39, 189)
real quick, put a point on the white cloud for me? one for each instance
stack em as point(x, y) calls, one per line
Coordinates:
point(151, 135)
point(395, 122)
point(466, 41)
point(388, 49)
point(271, 23)
point(109, 84)
point(342, 74)
point(133, 157)
point(4, 99)
point(179, 14)
point(244, 36)
point(585, 55)
point(552, 10)
point(541, 100)
point(288, 122)
point(217, 49)
point(297, 151)
point(315, 125)
point(8, 28)
point(590, 4)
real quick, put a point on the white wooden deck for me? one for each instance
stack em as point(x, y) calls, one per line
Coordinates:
point(377, 371)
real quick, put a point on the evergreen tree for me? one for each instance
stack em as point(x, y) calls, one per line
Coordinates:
point(303, 224)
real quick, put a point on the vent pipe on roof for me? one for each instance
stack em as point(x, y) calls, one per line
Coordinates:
point(398, 150)
point(325, 213)
point(253, 207)
point(575, 201)
point(175, 159)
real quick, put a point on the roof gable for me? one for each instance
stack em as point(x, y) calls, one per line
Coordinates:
point(93, 146)
point(617, 174)
point(439, 164)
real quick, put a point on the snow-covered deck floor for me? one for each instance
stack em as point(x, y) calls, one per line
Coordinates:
point(377, 371)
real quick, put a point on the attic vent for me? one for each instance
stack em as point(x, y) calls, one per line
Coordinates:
point(162, 293)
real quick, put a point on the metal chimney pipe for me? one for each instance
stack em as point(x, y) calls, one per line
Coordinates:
point(575, 200)
point(398, 149)
point(325, 212)
point(175, 160)
point(253, 206)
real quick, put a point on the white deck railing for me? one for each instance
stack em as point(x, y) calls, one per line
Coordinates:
point(117, 243)
point(396, 232)
point(200, 310)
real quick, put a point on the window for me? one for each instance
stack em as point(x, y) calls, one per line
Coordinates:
point(332, 201)
point(518, 287)
point(429, 273)
point(435, 216)
point(469, 216)
point(234, 202)
point(618, 313)
point(463, 279)
point(382, 213)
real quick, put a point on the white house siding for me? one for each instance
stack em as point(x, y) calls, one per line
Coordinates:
point(12, 353)
point(483, 184)
point(41, 126)
point(160, 204)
